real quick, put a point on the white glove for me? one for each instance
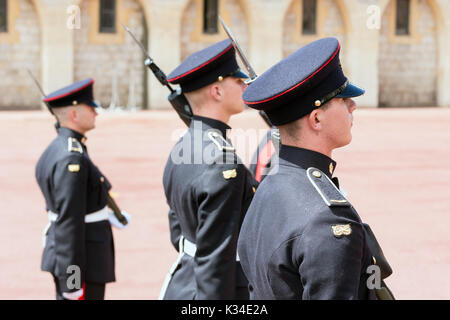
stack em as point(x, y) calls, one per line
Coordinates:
point(73, 295)
point(115, 222)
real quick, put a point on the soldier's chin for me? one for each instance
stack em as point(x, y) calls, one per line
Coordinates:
point(345, 142)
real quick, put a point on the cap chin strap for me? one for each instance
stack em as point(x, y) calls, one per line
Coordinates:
point(328, 97)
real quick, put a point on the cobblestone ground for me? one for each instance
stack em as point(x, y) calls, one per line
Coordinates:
point(396, 173)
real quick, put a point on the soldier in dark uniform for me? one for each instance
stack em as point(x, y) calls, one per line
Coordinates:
point(307, 241)
point(207, 187)
point(78, 242)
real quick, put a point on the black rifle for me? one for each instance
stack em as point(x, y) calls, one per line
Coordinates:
point(247, 65)
point(111, 203)
point(176, 97)
point(57, 125)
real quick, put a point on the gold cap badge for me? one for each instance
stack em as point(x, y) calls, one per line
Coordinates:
point(341, 230)
point(73, 167)
point(229, 174)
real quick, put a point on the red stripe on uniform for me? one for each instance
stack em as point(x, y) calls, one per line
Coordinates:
point(84, 292)
point(263, 159)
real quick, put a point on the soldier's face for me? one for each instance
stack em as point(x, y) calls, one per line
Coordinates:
point(86, 117)
point(338, 121)
point(234, 88)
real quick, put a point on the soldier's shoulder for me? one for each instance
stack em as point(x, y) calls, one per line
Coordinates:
point(221, 144)
point(69, 151)
point(74, 146)
point(66, 146)
point(327, 190)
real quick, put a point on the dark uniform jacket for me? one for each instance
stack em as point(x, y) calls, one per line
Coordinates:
point(301, 239)
point(208, 193)
point(74, 187)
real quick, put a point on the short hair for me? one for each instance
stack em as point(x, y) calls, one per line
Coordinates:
point(291, 129)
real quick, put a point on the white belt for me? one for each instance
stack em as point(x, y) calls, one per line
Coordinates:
point(188, 247)
point(89, 218)
point(97, 216)
point(184, 247)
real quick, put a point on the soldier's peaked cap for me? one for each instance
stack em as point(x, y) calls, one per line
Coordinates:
point(81, 92)
point(300, 83)
point(207, 66)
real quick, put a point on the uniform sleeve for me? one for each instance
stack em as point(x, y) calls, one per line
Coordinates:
point(330, 266)
point(70, 191)
point(175, 229)
point(219, 216)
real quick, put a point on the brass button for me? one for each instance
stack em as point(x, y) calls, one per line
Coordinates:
point(74, 102)
point(102, 179)
point(374, 260)
point(317, 103)
point(254, 189)
point(331, 167)
point(316, 174)
point(220, 78)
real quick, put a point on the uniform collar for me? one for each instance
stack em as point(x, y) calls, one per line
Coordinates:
point(307, 158)
point(69, 133)
point(208, 123)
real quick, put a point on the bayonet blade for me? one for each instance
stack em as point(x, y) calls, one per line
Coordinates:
point(36, 82)
point(137, 41)
point(239, 51)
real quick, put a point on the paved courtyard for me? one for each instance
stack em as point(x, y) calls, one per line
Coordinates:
point(396, 173)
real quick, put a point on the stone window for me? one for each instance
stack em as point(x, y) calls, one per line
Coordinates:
point(210, 16)
point(402, 17)
point(107, 16)
point(3, 16)
point(309, 17)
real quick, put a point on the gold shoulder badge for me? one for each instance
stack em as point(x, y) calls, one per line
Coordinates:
point(229, 174)
point(73, 167)
point(341, 230)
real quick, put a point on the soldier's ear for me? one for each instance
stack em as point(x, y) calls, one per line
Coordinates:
point(314, 119)
point(216, 92)
point(73, 115)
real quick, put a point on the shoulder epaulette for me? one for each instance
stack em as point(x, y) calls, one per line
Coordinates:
point(219, 141)
point(74, 145)
point(326, 188)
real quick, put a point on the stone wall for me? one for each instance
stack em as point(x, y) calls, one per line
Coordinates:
point(329, 24)
point(393, 72)
point(112, 65)
point(192, 38)
point(17, 90)
point(408, 71)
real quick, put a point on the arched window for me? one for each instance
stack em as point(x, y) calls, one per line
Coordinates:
point(402, 17)
point(107, 16)
point(3, 16)
point(309, 16)
point(210, 16)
